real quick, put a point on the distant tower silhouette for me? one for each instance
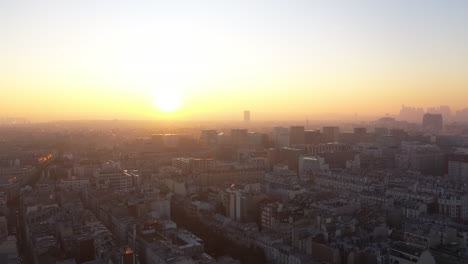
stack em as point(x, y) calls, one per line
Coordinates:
point(246, 116)
point(433, 122)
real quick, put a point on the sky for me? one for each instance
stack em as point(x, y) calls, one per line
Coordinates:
point(110, 59)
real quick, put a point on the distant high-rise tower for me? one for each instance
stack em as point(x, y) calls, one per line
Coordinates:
point(246, 116)
point(433, 122)
point(296, 135)
point(239, 137)
point(331, 133)
point(281, 137)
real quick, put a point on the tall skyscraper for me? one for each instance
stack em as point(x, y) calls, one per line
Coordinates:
point(281, 137)
point(331, 133)
point(239, 137)
point(433, 122)
point(246, 116)
point(296, 135)
point(360, 134)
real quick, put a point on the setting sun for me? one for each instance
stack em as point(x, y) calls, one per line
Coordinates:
point(168, 102)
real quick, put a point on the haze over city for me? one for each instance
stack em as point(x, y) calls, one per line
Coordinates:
point(233, 132)
point(209, 60)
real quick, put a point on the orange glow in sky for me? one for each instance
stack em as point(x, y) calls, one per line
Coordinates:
point(210, 60)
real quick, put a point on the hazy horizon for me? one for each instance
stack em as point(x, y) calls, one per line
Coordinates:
point(210, 60)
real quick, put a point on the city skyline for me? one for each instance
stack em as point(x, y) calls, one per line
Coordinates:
point(406, 113)
point(65, 60)
point(233, 132)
